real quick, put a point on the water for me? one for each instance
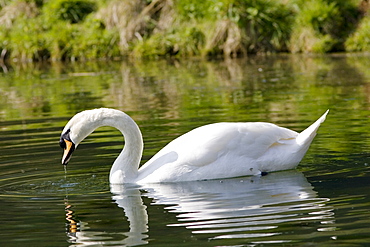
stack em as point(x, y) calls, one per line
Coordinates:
point(325, 201)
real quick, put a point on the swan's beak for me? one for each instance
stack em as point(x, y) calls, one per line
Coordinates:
point(68, 150)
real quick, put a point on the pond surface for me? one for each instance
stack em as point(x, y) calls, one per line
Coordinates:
point(324, 202)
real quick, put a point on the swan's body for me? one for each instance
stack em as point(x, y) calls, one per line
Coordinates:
point(220, 150)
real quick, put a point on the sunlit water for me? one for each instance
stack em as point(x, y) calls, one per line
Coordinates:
point(324, 202)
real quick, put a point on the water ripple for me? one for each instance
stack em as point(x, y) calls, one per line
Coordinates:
point(248, 208)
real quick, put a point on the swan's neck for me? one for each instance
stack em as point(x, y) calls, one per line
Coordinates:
point(125, 167)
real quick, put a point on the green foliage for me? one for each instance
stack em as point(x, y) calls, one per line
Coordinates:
point(186, 41)
point(73, 11)
point(360, 39)
point(197, 10)
point(14, 16)
point(233, 27)
point(77, 41)
point(59, 39)
point(57, 35)
point(26, 40)
point(267, 22)
point(322, 25)
point(91, 41)
point(89, 29)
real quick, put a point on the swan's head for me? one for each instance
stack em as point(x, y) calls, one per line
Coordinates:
point(68, 145)
point(77, 129)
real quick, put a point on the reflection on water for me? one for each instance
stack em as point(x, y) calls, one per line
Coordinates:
point(256, 209)
point(275, 87)
point(251, 208)
point(80, 234)
point(43, 205)
point(72, 226)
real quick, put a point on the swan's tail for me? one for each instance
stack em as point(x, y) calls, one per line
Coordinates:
point(305, 137)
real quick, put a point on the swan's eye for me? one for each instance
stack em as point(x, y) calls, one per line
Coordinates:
point(62, 143)
point(64, 137)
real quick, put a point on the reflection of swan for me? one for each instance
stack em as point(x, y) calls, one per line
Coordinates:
point(212, 151)
point(129, 198)
point(247, 207)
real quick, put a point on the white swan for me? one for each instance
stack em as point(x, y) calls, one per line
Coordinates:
point(220, 150)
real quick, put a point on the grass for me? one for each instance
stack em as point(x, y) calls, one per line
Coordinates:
point(359, 41)
point(322, 25)
point(100, 29)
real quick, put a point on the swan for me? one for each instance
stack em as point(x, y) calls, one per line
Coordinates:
point(214, 151)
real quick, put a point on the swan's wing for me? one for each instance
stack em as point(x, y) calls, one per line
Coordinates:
point(207, 144)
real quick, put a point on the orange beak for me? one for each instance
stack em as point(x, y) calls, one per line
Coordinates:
point(68, 150)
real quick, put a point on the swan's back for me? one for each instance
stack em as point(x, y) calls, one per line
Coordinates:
point(215, 151)
point(224, 150)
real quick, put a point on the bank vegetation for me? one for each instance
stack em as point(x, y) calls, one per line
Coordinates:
point(35, 30)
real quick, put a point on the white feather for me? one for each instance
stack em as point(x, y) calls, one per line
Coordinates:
point(219, 150)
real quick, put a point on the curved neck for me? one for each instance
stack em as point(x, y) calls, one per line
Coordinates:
point(125, 167)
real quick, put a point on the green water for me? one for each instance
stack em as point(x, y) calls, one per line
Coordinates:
point(324, 202)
